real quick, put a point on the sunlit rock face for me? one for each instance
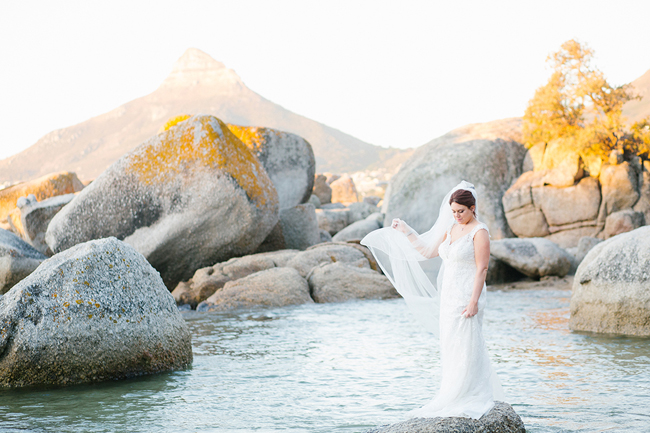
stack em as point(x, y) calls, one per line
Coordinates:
point(287, 158)
point(97, 311)
point(187, 198)
point(44, 187)
point(610, 289)
point(489, 155)
point(564, 200)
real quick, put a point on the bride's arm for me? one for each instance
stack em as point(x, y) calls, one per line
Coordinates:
point(482, 258)
point(426, 251)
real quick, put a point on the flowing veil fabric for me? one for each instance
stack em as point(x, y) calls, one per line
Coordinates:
point(401, 260)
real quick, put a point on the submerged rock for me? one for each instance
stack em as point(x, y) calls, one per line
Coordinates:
point(534, 257)
point(187, 198)
point(95, 312)
point(270, 288)
point(502, 418)
point(288, 160)
point(17, 260)
point(610, 290)
point(338, 282)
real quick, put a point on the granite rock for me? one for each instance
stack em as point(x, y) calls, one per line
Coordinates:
point(17, 260)
point(97, 311)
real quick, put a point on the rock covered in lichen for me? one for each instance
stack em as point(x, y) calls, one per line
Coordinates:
point(44, 187)
point(97, 311)
point(288, 160)
point(187, 198)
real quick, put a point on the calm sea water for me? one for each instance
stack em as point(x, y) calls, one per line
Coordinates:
point(351, 366)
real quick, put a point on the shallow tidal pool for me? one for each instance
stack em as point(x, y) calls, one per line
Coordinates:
point(352, 366)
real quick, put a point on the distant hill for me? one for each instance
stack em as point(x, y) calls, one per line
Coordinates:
point(197, 84)
point(637, 110)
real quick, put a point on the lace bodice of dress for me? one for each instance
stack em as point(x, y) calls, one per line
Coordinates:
point(460, 266)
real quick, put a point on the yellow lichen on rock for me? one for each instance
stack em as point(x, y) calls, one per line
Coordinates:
point(173, 122)
point(252, 136)
point(202, 141)
point(44, 187)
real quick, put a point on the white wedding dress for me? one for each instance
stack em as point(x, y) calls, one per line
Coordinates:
point(469, 385)
point(468, 382)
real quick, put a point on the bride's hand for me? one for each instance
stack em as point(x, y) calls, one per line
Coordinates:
point(470, 310)
point(399, 225)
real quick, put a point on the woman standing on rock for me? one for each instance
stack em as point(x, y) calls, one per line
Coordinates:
point(453, 308)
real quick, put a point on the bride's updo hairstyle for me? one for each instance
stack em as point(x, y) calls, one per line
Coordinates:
point(463, 197)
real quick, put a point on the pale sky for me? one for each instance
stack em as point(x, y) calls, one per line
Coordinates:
point(390, 73)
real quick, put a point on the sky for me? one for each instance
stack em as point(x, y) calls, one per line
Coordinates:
point(390, 73)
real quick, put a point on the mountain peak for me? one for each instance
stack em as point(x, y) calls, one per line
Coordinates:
point(196, 67)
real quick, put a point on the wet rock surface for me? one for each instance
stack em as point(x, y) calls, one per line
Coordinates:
point(501, 419)
point(610, 289)
point(95, 312)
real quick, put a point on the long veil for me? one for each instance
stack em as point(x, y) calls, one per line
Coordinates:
point(404, 262)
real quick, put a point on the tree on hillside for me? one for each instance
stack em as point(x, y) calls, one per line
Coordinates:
point(579, 105)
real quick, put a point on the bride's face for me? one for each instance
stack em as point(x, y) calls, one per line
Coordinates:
point(462, 213)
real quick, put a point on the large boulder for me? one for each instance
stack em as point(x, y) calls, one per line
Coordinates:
point(300, 226)
point(643, 204)
point(338, 282)
point(344, 190)
point(620, 188)
point(610, 290)
point(563, 166)
point(322, 189)
point(326, 253)
point(623, 221)
point(31, 217)
point(187, 198)
point(502, 418)
point(333, 220)
point(361, 210)
point(489, 155)
point(97, 311)
point(17, 260)
point(359, 229)
point(564, 215)
point(44, 187)
point(524, 217)
point(288, 160)
point(208, 280)
point(534, 257)
point(275, 287)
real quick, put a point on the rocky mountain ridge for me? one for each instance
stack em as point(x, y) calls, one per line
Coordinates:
point(198, 84)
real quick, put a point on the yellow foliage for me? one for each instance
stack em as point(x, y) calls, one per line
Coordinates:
point(173, 122)
point(580, 106)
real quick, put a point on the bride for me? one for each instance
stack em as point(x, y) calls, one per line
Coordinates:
point(453, 308)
